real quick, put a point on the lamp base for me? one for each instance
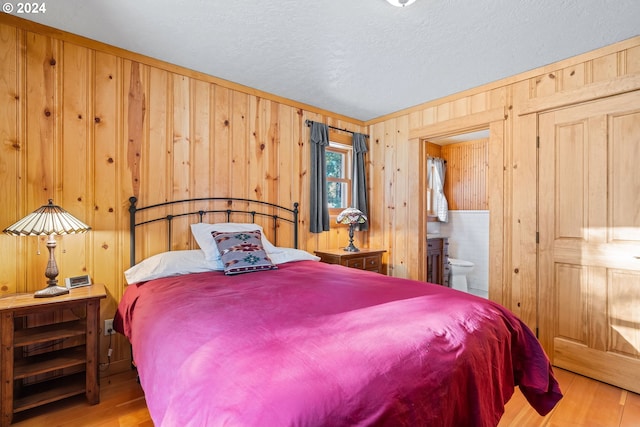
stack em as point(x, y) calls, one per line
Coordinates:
point(51, 291)
point(351, 247)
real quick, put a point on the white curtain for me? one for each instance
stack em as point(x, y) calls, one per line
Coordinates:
point(436, 169)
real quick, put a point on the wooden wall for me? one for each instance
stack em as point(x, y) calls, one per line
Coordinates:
point(511, 169)
point(434, 150)
point(89, 125)
point(465, 186)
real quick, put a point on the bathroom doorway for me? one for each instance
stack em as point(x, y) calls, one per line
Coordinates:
point(492, 120)
point(465, 227)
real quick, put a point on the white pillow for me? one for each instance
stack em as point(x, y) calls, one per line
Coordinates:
point(172, 263)
point(289, 255)
point(202, 233)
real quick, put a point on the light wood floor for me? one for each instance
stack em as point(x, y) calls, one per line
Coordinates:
point(586, 403)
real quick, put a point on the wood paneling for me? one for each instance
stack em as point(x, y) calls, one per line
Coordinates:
point(89, 125)
point(434, 150)
point(11, 162)
point(466, 178)
point(511, 168)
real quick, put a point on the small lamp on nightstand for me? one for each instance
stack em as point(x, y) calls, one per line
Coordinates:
point(351, 217)
point(49, 220)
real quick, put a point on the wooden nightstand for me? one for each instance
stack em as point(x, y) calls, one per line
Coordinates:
point(49, 349)
point(365, 259)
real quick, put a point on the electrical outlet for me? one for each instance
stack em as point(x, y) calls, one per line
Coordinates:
point(108, 327)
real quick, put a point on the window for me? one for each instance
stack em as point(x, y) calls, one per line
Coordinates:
point(338, 177)
point(339, 163)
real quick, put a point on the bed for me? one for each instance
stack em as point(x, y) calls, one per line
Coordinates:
point(303, 343)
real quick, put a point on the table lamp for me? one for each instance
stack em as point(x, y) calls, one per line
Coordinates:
point(48, 220)
point(351, 217)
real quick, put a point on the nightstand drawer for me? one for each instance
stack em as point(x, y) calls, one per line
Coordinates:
point(372, 263)
point(355, 263)
point(365, 259)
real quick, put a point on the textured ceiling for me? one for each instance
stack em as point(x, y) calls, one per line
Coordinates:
point(360, 58)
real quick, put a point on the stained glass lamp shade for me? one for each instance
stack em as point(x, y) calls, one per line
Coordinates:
point(351, 217)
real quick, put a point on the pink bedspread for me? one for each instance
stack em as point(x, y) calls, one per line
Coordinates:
point(313, 344)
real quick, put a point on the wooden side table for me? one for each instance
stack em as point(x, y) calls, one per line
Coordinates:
point(365, 259)
point(49, 349)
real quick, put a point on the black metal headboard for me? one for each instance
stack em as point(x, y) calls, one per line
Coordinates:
point(277, 213)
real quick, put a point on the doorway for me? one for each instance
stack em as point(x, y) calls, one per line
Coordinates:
point(466, 227)
point(494, 120)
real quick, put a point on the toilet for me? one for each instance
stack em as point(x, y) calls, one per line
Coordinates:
point(459, 270)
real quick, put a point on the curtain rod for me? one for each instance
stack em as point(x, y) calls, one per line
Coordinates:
point(308, 123)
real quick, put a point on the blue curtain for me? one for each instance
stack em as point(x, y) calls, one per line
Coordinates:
point(359, 192)
point(318, 206)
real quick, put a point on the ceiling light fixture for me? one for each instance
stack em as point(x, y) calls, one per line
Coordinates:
point(401, 3)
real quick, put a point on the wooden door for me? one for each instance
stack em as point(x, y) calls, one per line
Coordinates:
point(589, 250)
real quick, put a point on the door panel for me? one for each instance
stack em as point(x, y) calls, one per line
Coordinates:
point(571, 322)
point(570, 192)
point(589, 251)
point(625, 312)
point(625, 179)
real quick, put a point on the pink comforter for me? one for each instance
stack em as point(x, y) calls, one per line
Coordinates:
point(313, 344)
